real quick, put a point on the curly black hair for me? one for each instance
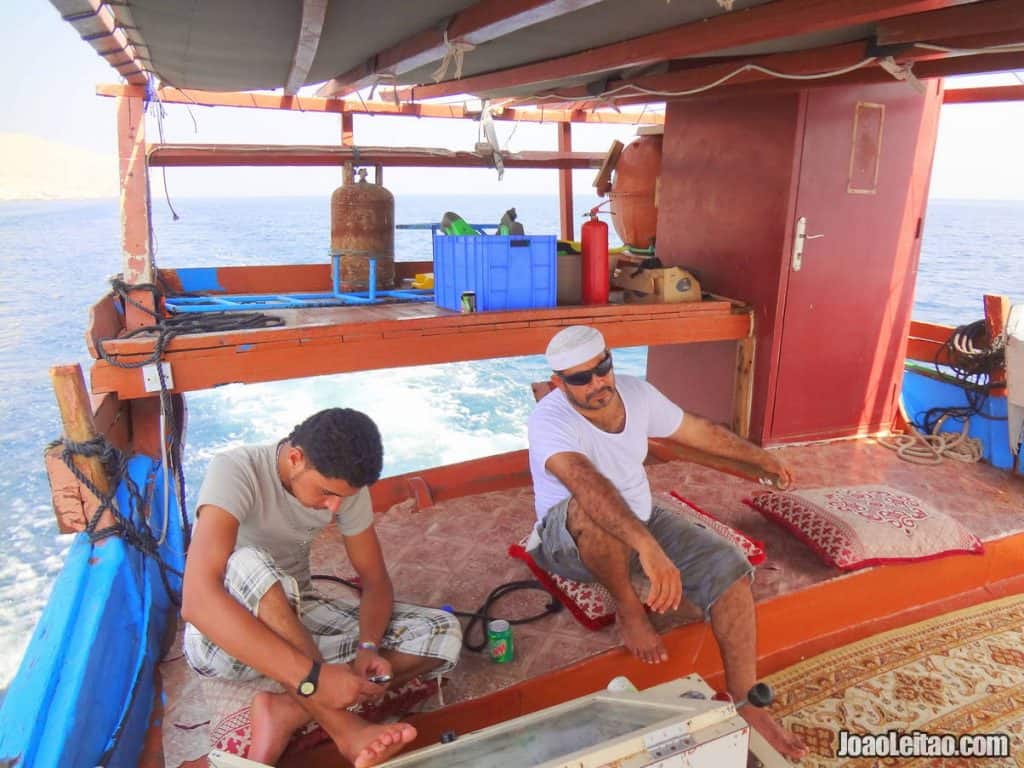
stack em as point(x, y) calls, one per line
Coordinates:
point(341, 443)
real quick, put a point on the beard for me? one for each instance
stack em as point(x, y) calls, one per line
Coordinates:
point(591, 402)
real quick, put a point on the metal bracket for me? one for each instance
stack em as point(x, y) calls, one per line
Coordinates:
point(671, 747)
point(151, 379)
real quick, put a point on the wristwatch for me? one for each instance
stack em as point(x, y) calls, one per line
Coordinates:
point(308, 686)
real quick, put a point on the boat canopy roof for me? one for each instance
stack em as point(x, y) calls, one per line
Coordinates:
point(581, 53)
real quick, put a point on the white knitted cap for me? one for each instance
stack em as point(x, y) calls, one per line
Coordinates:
point(573, 346)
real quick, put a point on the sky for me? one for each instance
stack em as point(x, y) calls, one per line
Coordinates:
point(51, 75)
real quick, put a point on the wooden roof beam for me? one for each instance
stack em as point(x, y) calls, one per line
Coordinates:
point(975, 19)
point(310, 28)
point(169, 95)
point(476, 25)
point(990, 42)
point(946, 67)
point(781, 18)
point(97, 25)
point(799, 63)
point(923, 69)
point(222, 155)
point(986, 94)
point(970, 65)
point(814, 61)
point(552, 107)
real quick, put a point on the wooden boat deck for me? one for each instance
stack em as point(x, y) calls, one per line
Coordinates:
point(455, 552)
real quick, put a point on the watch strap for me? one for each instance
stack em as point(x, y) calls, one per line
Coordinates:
point(309, 685)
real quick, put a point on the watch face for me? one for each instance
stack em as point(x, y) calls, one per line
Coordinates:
point(307, 687)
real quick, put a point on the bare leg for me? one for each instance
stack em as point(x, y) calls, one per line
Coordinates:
point(405, 666)
point(276, 612)
point(734, 624)
point(359, 742)
point(608, 559)
point(276, 716)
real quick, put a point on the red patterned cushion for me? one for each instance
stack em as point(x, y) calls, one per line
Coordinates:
point(864, 525)
point(591, 604)
point(752, 548)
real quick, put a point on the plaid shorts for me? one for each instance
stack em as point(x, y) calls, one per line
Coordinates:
point(333, 624)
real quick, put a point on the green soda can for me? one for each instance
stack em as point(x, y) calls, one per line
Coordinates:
point(499, 641)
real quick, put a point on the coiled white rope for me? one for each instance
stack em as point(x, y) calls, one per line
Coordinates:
point(918, 448)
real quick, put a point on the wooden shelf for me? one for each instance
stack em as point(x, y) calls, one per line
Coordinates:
point(315, 342)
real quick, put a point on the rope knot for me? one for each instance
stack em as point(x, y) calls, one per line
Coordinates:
point(135, 532)
point(389, 78)
point(903, 72)
point(454, 53)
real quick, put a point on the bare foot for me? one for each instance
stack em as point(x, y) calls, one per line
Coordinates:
point(275, 717)
point(373, 744)
point(787, 744)
point(639, 636)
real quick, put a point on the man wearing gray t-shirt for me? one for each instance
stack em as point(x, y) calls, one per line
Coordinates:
point(250, 607)
point(596, 521)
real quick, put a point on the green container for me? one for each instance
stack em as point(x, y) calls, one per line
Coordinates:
point(499, 641)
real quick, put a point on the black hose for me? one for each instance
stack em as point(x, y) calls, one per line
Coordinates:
point(972, 359)
point(482, 616)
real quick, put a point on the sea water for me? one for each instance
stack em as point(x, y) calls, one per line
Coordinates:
point(55, 258)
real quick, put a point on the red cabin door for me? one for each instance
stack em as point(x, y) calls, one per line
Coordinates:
point(863, 179)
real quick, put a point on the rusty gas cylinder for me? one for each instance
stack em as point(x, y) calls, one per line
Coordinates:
point(363, 227)
point(634, 192)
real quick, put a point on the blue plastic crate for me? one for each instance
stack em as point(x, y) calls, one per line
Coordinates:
point(505, 271)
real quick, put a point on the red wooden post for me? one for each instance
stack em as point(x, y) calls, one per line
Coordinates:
point(348, 139)
point(348, 129)
point(136, 239)
point(565, 182)
point(137, 252)
point(997, 311)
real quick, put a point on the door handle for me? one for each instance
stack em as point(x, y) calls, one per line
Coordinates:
point(800, 236)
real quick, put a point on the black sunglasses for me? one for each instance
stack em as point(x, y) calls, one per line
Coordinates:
point(581, 378)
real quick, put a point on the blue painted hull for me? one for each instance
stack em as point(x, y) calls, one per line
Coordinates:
point(83, 695)
point(921, 393)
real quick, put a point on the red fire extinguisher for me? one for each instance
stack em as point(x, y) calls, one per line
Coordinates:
point(594, 245)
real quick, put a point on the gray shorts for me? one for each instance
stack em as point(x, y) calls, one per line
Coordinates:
point(708, 564)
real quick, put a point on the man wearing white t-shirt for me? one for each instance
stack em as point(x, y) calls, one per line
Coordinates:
point(597, 522)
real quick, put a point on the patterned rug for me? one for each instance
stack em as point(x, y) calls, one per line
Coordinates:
point(961, 673)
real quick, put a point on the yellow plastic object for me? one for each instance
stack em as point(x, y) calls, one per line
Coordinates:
point(423, 280)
